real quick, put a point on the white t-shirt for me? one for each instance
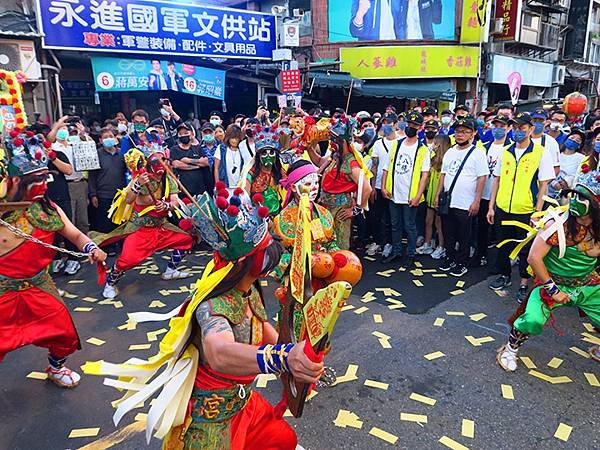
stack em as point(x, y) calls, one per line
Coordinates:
point(545, 169)
point(247, 151)
point(551, 147)
point(382, 153)
point(233, 162)
point(386, 22)
point(465, 188)
point(569, 164)
point(403, 171)
point(493, 159)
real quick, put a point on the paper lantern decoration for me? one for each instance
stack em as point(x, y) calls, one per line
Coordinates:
point(11, 101)
point(575, 104)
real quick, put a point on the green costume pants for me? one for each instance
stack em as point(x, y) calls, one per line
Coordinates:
point(537, 313)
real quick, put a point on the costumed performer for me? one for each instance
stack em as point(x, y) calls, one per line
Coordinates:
point(142, 210)
point(31, 310)
point(563, 258)
point(346, 178)
point(218, 342)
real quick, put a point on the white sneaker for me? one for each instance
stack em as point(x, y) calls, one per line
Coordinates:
point(425, 249)
point(507, 358)
point(61, 292)
point(110, 292)
point(420, 241)
point(373, 249)
point(57, 265)
point(72, 267)
point(439, 253)
point(387, 250)
point(63, 377)
point(174, 274)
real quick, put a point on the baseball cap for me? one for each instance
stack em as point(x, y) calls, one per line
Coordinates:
point(462, 107)
point(447, 112)
point(432, 124)
point(539, 113)
point(414, 117)
point(208, 126)
point(522, 118)
point(391, 117)
point(429, 111)
point(503, 118)
point(466, 123)
point(184, 125)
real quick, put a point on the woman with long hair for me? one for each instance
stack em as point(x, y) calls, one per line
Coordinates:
point(441, 144)
point(229, 161)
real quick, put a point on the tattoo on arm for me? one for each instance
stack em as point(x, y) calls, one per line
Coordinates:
point(210, 324)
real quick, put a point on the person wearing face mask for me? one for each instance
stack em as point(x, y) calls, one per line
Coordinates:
point(401, 126)
point(170, 120)
point(521, 179)
point(446, 122)
point(191, 163)
point(558, 122)
point(229, 161)
point(591, 160)
point(209, 143)
point(429, 114)
point(247, 146)
point(563, 257)
point(571, 157)
point(139, 137)
point(104, 182)
point(430, 131)
point(405, 175)
point(538, 136)
point(215, 119)
point(493, 150)
point(380, 212)
point(266, 173)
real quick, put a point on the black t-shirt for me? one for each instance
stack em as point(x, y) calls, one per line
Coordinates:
point(197, 180)
point(170, 127)
point(57, 183)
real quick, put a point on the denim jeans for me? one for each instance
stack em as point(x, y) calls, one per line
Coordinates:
point(403, 220)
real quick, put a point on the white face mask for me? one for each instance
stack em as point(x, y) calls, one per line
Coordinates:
point(164, 112)
point(358, 146)
point(555, 126)
point(122, 128)
point(310, 185)
point(215, 122)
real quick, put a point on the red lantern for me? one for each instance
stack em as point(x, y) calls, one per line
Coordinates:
point(575, 104)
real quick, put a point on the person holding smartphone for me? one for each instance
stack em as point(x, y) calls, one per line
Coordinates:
point(170, 121)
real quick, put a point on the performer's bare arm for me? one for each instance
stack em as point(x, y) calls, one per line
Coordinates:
point(225, 355)
point(539, 249)
point(366, 187)
point(72, 233)
point(270, 335)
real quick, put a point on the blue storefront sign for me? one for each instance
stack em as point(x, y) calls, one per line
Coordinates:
point(120, 74)
point(156, 27)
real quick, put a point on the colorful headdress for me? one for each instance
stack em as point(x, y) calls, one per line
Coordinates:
point(590, 181)
point(137, 157)
point(232, 225)
point(343, 127)
point(25, 152)
point(267, 139)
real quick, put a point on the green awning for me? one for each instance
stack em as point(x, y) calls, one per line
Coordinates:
point(431, 89)
point(333, 79)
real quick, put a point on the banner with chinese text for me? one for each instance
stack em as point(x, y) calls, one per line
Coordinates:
point(158, 27)
point(510, 13)
point(441, 61)
point(474, 21)
point(392, 20)
point(119, 74)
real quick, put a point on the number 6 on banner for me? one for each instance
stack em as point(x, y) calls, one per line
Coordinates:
point(105, 80)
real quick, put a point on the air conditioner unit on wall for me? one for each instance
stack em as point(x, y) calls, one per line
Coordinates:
point(558, 75)
point(20, 55)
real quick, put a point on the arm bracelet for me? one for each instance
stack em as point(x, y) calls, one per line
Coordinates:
point(551, 287)
point(136, 187)
point(89, 247)
point(273, 358)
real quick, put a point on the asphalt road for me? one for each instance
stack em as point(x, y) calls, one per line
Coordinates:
point(465, 383)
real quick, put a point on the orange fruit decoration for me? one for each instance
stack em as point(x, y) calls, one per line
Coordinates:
point(575, 104)
point(322, 265)
point(347, 267)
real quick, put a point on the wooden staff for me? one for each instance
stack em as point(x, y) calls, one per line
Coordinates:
point(349, 95)
point(180, 184)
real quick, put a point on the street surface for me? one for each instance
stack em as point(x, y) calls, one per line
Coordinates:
point(465, 383)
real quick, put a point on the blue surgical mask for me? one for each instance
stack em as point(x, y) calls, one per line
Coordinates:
point(208, 138)
point(402, 125)
point(519, 135)
point(109, 142)
point(571, 144)
point(480, 122)
point(538, 127)
point(62, 135)
point(597, 147)
point(387, 129)
point(498, 133)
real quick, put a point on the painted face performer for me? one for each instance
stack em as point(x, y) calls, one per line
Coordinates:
point(266, 172)
point(31, 310)
point(218, 341)
point(142, 209)
point(343, 186)
point(563, 257)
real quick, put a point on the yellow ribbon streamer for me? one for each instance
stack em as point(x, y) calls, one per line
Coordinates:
point(301, 253)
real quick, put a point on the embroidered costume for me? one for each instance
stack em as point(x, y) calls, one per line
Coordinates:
point(31, 309)
point(144, 228)
point(571, 265)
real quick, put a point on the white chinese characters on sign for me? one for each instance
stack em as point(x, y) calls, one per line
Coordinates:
point(142, 18)
point(232, 25)
point(107, 16)
point(66, 13)
point(206, 22)
point(174, 20)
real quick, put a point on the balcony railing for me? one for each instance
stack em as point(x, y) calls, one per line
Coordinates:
point(546, 36)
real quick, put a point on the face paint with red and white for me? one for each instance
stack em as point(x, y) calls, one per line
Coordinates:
point(37, 187)
point(308, 185)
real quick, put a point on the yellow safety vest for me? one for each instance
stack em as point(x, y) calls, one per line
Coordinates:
point(518, 188)
point(422, 150)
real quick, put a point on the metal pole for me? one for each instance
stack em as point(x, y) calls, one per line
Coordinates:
point(58, 95)
point(349, 95)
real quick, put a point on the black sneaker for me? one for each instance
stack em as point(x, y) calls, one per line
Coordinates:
point(500, 283)
point(447, 265)
point(458, 270)
point(522, 293)
point(390, 258)
point(408, 262)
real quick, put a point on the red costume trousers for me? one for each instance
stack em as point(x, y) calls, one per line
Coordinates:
point(146, 241)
